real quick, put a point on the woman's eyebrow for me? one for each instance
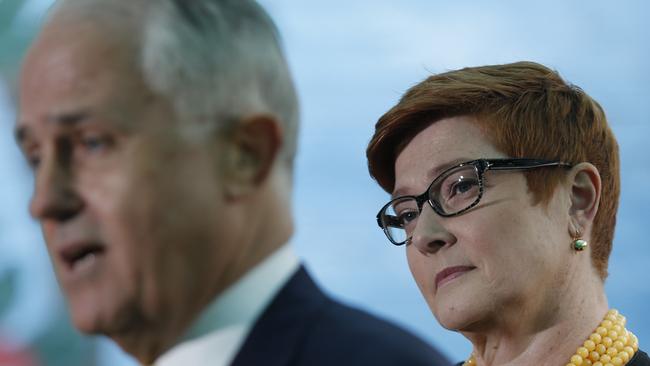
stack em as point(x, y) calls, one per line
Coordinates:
point(431, 175)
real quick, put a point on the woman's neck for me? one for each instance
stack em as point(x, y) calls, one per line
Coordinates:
point(542, 331)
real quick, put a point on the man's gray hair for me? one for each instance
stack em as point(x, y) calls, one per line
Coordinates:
point(217, 61)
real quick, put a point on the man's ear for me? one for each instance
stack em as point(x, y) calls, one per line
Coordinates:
point(585, 188)
point(253, 144)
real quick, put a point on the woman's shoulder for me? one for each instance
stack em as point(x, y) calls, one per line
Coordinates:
point(640, 359)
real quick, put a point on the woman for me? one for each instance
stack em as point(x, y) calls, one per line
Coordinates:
point(505, 184)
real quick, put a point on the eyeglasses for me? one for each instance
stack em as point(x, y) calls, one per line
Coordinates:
point(455, 191)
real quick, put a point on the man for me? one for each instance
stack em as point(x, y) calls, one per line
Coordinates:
point(161, 135)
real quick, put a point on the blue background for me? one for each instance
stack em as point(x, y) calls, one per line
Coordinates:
point(351, 61)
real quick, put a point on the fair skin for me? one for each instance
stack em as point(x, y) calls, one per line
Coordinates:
point(144, 227)
point(523, 296)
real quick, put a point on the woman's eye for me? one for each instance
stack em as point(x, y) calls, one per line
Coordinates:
point(462, 187)
point(406, 217)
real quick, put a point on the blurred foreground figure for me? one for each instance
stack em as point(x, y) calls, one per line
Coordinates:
point(505, 185)
point(162, 136)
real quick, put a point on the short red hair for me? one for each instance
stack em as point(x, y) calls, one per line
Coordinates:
point(528, 111)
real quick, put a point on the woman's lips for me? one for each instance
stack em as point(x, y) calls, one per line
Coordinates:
point(450, 273)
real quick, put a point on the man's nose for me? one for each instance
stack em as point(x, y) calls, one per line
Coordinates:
point(429, 235)
point(54, 197)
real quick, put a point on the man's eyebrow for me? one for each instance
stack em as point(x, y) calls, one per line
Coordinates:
point(68, 118)
point(65, 119)
point(431, 175)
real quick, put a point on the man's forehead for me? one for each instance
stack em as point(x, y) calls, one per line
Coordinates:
point(121, 13)
point(95, 28)
point(70, 62)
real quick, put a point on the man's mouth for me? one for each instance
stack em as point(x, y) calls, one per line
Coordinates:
point(82, 254)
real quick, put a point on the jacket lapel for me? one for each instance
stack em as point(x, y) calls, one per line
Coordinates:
point(275, 337)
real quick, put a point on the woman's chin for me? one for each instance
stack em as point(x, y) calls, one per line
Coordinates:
point(456, 316)
point(454, 322)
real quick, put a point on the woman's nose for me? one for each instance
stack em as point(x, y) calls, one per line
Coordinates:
point(429, 234)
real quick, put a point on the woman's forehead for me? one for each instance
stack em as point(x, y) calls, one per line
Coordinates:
point(442, 144)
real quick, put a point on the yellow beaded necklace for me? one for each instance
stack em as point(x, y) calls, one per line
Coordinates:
point(609, 345)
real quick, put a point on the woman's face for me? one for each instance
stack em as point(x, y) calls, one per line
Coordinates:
point(504, 255)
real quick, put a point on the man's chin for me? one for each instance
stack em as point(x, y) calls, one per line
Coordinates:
point(91, 315)
point(87, 320)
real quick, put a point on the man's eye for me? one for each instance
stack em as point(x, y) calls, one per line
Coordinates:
point(95, 143)
point(33, 161)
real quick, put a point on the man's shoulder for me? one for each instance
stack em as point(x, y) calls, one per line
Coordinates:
point(342, 332)
point(314, 329)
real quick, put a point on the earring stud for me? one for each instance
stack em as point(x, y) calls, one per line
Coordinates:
point(579, 244)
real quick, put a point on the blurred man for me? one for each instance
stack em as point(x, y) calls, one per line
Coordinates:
point(162, 136)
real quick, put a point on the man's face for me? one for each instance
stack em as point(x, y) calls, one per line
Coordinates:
point(133, 214)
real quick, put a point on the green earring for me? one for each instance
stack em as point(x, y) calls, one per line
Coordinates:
point(579, 245)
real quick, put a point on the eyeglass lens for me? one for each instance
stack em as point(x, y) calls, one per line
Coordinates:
point(452, 192)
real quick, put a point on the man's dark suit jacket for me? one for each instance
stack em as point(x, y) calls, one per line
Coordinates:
point(304, 327)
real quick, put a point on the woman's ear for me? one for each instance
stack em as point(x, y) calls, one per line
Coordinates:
point(253, 146)
point(585, 188)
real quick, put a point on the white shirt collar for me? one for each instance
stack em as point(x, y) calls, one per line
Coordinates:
point(222, 327)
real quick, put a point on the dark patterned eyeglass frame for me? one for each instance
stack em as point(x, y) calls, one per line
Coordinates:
point(385, 221)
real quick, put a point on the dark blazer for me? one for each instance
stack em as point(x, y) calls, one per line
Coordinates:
point(304, 327)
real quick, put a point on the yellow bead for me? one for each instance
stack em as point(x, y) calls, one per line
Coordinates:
point(605, 359)
point(618, 345)
point(576, 360)
point(598, 363)
point(602, 331)
point(612, 318)
point(617, 328)
point(607, 341)
point(623, 339)
point(623, 356)
point(629, 350)
point(606, 324)
point(617, 361)
point(583, 352)
point(601, 349)
point(622, 320)
point(594, 356)
point(611, 351)
point(587, 362)
point(596, 338)
point(609, 364)
point(612, 311)
point(612, 334)
point(589, 345)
